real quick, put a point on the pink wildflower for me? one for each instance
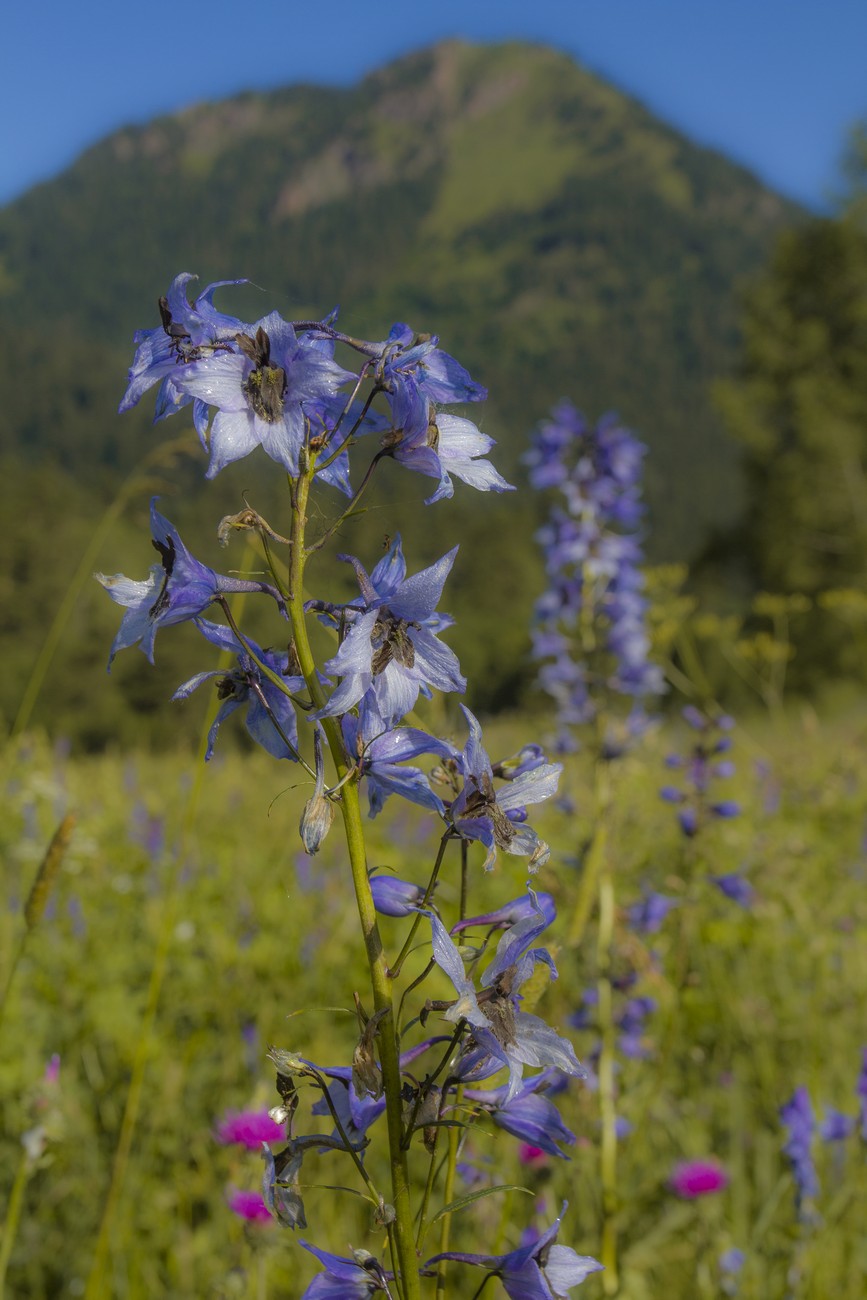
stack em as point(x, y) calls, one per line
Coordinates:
point(697, 1178)
point(530, 1155)
point(249, 1128)
point(249, 1205)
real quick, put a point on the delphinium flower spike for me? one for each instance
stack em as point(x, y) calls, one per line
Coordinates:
point(589, 630)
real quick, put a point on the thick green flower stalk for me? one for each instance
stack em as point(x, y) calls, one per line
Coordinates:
point(278, 387)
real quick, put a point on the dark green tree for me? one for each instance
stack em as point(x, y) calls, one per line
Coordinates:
point(799, 408)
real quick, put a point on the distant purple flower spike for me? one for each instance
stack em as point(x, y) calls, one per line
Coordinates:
point(836, 1126)
point(700, 771)
point(731, 1260)
point(480, 812)
point(178, 589)
point(538, 1270)
point(797, 1116)
point(735, 887)
point(391, 652)
point(593, 565)
point(861, 1093)
point(647, 916)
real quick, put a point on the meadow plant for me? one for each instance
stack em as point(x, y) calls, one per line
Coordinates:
point(590, 638)
point(346, 721)
point(589, 633)
point(701, 768)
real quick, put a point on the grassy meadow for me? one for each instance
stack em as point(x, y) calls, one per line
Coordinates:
point(186, 932)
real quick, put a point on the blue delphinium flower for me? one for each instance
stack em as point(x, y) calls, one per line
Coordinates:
point(511, 913)
point(259, 391)
point(178, 589)
point(630, 1022)
point(592, 558)
point(702, 766)
point(394, 897)
point(187, 334)
point(381, 757)
point(503, 1032)
point(797, 1116)
point(344, 1278)
point(413, 372)
point(390, 652)
point(529, 1115)
point(647, 916)
point(539, 1270)
point(495, 816)
point(861, 1092)
point(448, 445)
point(270, 713)
point(836, 1125)
point(735, 887)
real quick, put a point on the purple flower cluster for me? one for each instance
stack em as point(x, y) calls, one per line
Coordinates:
point(802, 1129)
point(590, 632)
point(797, 1116)
point(701, 768)
point(275, 384)
point(629, 1021)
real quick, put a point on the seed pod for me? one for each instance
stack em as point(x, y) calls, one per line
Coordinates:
point(47, 873)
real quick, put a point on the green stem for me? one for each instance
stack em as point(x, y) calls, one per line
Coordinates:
point(350, 509)
point(10, 974)
point(448, 1197)
point(13, 1215)
point(425, 902)
point(381, 982)
point(607, 1029)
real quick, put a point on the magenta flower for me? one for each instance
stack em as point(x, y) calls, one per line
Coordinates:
point(250, 1206)
point(249, 1128)
point(695, 1178)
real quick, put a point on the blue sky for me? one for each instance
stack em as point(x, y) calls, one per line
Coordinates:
point(772, 83)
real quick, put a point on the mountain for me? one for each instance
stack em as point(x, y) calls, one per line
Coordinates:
point(558, 238)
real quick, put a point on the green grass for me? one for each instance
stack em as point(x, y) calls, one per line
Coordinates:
point(750, 1004)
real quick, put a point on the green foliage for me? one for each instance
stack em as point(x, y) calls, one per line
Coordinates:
point(750, 1004)
point(800, 410)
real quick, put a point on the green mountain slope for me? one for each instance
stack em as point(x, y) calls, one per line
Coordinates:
point(558, 238)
